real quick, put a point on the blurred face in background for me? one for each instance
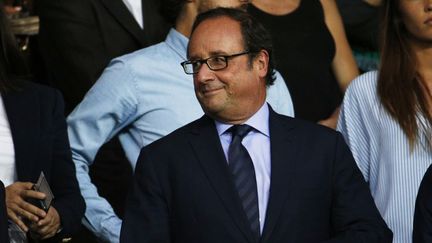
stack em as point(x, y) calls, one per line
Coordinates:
point(417, 18)
point(205, 5)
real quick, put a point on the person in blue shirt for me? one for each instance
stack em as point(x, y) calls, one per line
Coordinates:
point(142, 97)
point(386, 115)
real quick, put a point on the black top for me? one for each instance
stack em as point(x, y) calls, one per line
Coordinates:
point(3, 218)
point(361, 22)
point(303, 51)
point(422, 232)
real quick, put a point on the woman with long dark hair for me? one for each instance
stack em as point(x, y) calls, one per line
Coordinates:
point(33, 139)
point(386, 115)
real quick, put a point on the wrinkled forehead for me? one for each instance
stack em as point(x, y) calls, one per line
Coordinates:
point(220, 35)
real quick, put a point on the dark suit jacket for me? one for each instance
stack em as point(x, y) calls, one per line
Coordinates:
point(422, 232)
point(38, 128)
point(3, 217)
point(183, 191)
point(78, 38)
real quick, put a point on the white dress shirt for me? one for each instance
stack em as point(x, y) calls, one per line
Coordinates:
point(135, 7)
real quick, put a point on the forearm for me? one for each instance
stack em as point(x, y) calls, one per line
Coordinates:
point(99, 216)
point(68, 201)
point(343, 65)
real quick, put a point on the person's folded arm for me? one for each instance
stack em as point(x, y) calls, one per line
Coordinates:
point(108, 107)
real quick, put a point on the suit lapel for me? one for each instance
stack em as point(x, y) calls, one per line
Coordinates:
point(23, 116)
point(283, 160)
point(153, 23)
point(206, 145)
point(119, 10)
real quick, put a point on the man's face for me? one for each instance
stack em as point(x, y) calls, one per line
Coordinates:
point(205, 5)
point(235, 93)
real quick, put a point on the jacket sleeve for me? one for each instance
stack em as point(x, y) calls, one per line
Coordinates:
point(68, 200)
point(354, 216)
point(423, 210)
point(147, 215)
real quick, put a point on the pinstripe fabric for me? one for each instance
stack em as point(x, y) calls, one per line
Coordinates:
point(383, 155)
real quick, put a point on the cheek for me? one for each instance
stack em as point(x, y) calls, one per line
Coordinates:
point(196, 86)
point(412, 17)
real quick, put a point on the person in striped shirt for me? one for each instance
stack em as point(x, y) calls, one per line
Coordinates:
point(386, 114)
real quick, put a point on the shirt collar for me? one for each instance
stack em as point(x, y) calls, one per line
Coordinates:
point(177, 42)
point(259, 121)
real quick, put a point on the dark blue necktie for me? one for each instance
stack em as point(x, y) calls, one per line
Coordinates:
point(242, 169)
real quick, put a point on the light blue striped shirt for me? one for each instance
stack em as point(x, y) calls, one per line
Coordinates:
point(383, 155)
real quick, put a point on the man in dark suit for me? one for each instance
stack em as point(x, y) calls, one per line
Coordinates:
point(243, 173)
point(3, 218)
point(78, 39)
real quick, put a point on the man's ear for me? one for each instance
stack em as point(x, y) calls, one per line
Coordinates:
point(261, 63)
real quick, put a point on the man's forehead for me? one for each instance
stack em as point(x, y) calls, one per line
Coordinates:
point(215, 36)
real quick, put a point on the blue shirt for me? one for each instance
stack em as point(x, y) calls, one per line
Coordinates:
point(140, 97)
point(383, 155)
point(257, 143)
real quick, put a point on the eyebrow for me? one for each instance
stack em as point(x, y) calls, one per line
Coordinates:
point(211, 54)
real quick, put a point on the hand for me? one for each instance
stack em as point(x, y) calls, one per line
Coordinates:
point(49, 225)
point(331, 122)
point(17, 207)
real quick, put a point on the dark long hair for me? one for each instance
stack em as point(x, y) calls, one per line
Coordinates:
point(12, 65)
point(400, 86)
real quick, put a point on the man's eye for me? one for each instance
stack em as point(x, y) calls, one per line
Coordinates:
point(196, 64)
point(218, 60)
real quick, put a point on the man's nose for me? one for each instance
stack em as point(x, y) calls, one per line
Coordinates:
point(204, 73)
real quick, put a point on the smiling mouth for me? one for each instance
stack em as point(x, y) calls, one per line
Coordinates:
point(206, 90)
point(428, 21)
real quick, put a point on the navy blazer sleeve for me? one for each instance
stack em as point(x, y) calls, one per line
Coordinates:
point(355, 217)
point(147, 204)
point(68, 200)
point(423, 211)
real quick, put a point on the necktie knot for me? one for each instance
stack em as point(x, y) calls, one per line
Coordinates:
point(240, 130)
